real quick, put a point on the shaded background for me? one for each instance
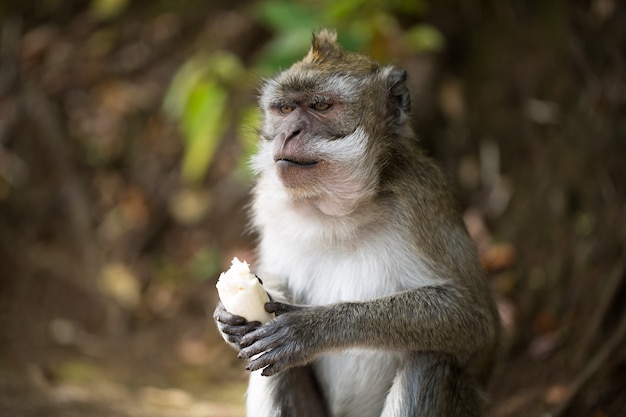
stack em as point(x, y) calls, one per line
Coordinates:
point(124, 127)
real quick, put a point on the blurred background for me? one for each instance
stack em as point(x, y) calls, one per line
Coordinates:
point(125, 126)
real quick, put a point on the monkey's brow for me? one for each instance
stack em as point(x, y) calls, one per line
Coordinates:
point(279, 104)
point(306, 99)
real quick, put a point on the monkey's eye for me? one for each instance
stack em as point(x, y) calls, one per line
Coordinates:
point(321, 106)
point(286, 109)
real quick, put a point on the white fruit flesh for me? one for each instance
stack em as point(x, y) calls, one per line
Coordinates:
point(242, 294)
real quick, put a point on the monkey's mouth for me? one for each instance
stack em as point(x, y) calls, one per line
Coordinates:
point(286, 163)
point(295, 172)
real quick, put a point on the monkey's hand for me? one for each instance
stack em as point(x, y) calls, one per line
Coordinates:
point(280, 344)
point(232, 327)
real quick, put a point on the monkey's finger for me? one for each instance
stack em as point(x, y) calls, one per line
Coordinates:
point(261, 339)
point(248, 350)
point(223, 316)
point(269, 362)
point(233, 339)
point(279, 308)
point(254, 336)
point(271, 370)
point(258, 363)
point(239, 330)
point(272, 365)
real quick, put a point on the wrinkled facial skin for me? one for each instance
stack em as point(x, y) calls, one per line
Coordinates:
point(306, 120)
point(302, 127)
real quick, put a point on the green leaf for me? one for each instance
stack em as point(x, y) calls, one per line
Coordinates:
point(183, 83)
point(425, 38)
point(355, 38)
point(286, 17)
point(107, 9)
point(225, 66)
point(204, 123)
point(249, 126)
point(284, 50)
point(346, 10)
point(198, 99)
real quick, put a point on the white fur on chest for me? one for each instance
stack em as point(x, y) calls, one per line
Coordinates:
point(321, 260)
point(333, 260)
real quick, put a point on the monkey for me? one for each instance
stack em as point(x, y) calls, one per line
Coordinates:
point(381, 305)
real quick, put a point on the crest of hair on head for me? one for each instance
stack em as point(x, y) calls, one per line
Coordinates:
point(324, 46)
point(327, 54)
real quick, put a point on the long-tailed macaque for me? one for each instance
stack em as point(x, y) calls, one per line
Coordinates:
point(381, 306)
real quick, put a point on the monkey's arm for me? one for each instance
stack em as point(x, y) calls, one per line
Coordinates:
point(424, 319)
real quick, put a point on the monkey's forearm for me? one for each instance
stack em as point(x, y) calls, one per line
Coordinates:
point(425, 319)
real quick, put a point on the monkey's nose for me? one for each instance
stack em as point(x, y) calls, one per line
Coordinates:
point(294, 133)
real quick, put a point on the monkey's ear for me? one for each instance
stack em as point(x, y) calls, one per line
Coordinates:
point(399, 100)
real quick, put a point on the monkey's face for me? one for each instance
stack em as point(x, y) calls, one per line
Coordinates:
point(308, 126)
point(314, 139)
point(329, 122)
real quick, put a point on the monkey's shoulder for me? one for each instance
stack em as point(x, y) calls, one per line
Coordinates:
point(419, 196)
point(417, 186)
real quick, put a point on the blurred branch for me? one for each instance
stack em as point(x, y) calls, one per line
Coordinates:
point(11, 30)
point(53, 141)
point(610, 348)
point(603, 305)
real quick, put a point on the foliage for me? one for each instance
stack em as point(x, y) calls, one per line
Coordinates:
point(199, 98)
point(360, 23)
point(106, 9)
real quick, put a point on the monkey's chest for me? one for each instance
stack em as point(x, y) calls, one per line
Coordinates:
point(327, 275)
point(340, 277)
point(318, 265)
point(356, 382)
